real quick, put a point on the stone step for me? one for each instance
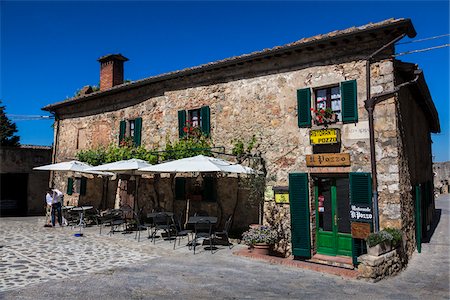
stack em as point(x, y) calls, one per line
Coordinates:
point(335, 261)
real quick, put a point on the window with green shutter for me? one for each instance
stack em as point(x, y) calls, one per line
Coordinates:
point(304, 107)
point(360, 193)
point(300, 215)
point(83, 185)
point(137, 132)
point(349, 101)
point(205, 120)
point(181, 123)
point(122, 129)
point(194, 118)
point(209, 189)
point(180, 188)
point(69, 186)
point(130, 132)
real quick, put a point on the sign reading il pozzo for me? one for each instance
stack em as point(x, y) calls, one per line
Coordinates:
point(325, 136)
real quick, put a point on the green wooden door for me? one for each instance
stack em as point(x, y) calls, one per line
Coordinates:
point(332, 216)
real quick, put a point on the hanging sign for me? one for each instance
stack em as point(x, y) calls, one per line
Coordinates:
point(281, 194)
point(360, 212)
point(325, 136)
point(360, 230)
point(328, 160)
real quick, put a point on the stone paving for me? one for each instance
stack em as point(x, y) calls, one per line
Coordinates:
point(118, 267)
point(31, 253)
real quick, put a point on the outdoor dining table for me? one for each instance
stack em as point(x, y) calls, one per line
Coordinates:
point(81, 210)
point(194, 219)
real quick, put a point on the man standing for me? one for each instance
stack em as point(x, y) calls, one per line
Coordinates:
point(54, 198)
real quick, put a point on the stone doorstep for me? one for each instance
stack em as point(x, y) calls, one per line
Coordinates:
point(290, 262)
point(336, 261)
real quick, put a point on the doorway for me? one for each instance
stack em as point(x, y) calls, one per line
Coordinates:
point(332, 204)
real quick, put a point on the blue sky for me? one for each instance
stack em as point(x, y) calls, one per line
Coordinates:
point(50, 49)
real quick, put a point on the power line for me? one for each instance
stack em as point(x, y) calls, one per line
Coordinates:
point(421, 50)
point(425, 39)
point(28, 117)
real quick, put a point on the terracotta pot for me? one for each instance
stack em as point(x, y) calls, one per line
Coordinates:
point(262, 249)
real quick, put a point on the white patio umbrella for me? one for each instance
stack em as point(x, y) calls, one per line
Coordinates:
point(128, 167)
point(199, 163)
point(71, 166)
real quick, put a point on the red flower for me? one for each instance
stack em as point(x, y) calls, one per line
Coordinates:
point(185, 129)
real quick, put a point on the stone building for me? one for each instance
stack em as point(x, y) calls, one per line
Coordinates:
point(372, 156)
point(442, 177)
point(23, 189)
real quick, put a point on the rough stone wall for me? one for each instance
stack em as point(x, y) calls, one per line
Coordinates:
point(375, 268)
point(261, 100)
point(23, 160)
point(442, 177)
point(415, 160)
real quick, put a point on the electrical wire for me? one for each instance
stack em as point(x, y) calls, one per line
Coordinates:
point(421, 50)
point(425, 39)
point(28, 117)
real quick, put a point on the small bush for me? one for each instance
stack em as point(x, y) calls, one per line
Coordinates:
point(392, 235)
point(396, 235)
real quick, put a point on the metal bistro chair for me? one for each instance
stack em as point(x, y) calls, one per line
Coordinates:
point(179, 231)
point(161, 221)
point(140, 225)
point(223, 234)
point(203, 230)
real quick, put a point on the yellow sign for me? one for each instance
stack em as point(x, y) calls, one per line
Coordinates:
point(328, 160)
point(282, 198)
point(325, 136)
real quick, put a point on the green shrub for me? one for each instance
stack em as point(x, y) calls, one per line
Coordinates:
point(396, 235)
point(392, 235)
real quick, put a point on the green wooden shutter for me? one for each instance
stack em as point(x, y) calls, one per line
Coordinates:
point(209, 189)
point(304, 107)
point(69, 186)
point(349, 101)
point(206, 123)
point(137, 131)
point(300, 217)
point(418, 215)
point(181, 123)
point(180, 188)
point(360, 193)
point(122, 128)
point(83, 184)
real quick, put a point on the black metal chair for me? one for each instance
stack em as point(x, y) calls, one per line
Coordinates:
point(140, 225)
point(203, 230)
point(223, 234)
point(179, 232)
point(161, 222)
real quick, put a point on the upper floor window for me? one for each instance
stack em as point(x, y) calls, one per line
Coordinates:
point(130, 132)
point(340, 101)
point(194, 118)
point(329, 98)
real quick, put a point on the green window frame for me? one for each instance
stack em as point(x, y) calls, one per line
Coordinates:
point(200, 117)
point(131, 129)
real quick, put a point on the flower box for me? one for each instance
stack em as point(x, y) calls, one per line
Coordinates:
point(379, 249)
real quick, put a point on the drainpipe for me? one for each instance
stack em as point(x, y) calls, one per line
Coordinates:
point(369, 104)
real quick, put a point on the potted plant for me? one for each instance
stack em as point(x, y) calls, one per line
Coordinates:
point(383, 241)
point(259, 238)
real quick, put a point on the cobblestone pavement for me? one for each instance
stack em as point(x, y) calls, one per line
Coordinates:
point(117, 267)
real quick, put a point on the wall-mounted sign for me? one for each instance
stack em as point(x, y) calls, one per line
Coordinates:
point(360, 230)
point(281, 194)
point(360, 212)
point(328, 160)
point(325, 136)
point(357, 131)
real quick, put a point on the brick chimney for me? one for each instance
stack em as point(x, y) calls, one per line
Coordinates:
point(111, 70)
